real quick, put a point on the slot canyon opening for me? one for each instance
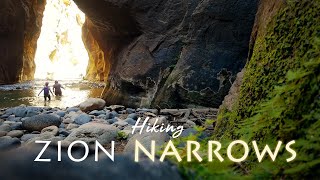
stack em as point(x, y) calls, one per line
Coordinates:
point(61, 53)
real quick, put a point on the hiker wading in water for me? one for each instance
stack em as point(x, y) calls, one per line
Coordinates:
point(57, 88)
point(46, 91)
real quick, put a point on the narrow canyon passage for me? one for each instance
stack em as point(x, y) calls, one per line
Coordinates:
point(61, 53)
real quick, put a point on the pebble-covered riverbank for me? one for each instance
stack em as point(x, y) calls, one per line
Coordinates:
point(21, 126)
point(92, 121)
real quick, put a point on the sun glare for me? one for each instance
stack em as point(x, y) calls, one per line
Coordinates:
point(61, 53)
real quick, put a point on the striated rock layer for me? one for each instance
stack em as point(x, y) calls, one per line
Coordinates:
point(170, 53)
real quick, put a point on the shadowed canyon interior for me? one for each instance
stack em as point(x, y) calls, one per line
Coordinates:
point(166, 53)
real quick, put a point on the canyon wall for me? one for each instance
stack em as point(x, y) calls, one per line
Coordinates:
point(20, 25)
point(167, 53)
point(278, 95)
point(12, 18)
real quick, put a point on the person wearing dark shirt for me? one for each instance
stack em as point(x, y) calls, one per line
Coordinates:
point(57, 88)
point(46, 92)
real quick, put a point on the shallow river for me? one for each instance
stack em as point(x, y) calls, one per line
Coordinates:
point(27, 93)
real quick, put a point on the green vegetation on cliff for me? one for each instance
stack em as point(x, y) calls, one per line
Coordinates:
point(279, 100)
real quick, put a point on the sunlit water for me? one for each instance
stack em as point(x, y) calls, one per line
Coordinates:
point(27, 93)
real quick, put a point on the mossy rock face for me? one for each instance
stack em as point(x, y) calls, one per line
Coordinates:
point(279, 98)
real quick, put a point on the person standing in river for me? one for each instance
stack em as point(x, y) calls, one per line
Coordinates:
point(46, 92)
point(57, 88)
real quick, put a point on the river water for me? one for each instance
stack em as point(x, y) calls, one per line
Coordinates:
point(26, 93)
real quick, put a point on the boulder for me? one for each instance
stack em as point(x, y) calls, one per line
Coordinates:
point(72, 126)
point(73, 109)
point(38, 122)
point(61, 113)
point(130, 121)
point(145, 139)
point(26, 137)
point(51, 130)
point(19, 111)
point(158, 120)
point(189, 124)
point(82, 119)
point(7, 143)
point(92, 104)
point(16, 126)
point(5, 127)
point(3, 133)
point(15, 133)
point(91, 132)
point(112, 121)
point(133, 116)
point(97, 113)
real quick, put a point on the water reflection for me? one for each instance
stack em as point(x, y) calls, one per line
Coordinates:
point(27, 93)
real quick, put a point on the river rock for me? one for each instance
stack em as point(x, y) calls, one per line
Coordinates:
point(91, 132)
point(112, 121)
point(67, 121)
point(32, 111)
point(26, 137)
point(72, 126)
point(38, 122)
point(145, 139)
point(3, 133)
point(158, 120)
point(189, 124)
point(116, 108)
point(133, 116)
point(130, 110)
point(14, 118)
point(82, 119)
point(51, 129)
point(73, 109)
point(63, 132)
point(103, 116)
point(114, 114)
point(97, 113)
point(45, 137)
point(92, 104)
point(7, 143)
point(19, 111)
point(120, 124)
point(61, 113)
point(16, 126)
point(15, 133)
point(5, 127)
point(130, 121)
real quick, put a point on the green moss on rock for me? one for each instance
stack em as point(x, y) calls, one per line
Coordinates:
point(279, 99)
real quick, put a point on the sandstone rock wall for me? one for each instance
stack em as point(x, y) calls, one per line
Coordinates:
point(20, 24)
point(33, 21)
point(11, 40)
point(171, 53)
